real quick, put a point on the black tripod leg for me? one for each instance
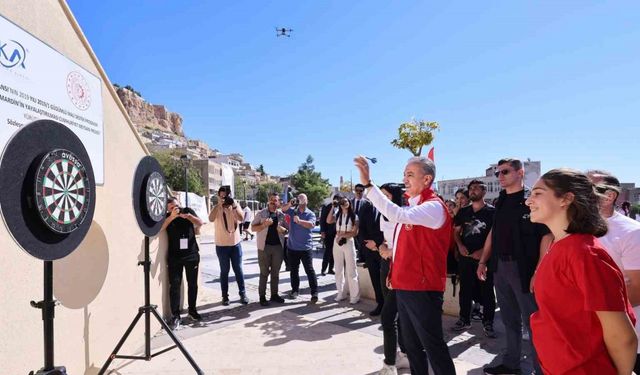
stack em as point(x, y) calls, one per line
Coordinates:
point(120, 343)
point(177, 342)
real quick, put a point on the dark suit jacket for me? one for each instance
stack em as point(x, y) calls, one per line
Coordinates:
point(369, 227)
point(329, 229)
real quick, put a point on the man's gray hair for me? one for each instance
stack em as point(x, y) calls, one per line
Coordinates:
point(427, 165)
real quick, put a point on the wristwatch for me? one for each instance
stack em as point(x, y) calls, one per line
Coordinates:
point(368, 185)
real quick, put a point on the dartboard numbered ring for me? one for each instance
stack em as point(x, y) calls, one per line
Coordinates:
point(62, 191)
point(156, 194)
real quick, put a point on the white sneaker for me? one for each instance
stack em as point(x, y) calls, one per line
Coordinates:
point(354, 301)
point(402, 361)
point(340, 297)
point(388, 370)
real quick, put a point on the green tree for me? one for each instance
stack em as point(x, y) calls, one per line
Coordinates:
point(174, 173)
point(260, 169)
point(414, 135)
point(311, 183)
point(264, 189)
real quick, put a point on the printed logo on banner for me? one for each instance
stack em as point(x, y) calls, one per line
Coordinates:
point(12, 54)
point(78, 90)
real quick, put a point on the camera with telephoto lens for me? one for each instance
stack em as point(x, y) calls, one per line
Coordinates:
point(335, 203)
point(227, 200)
point(342, 241)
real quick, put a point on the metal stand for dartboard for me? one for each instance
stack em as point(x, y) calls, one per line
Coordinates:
point(47, 204)
point(150, 205)
point(48, 305)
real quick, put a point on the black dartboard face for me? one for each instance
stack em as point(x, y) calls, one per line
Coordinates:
point(62, 192)
point(156, 194)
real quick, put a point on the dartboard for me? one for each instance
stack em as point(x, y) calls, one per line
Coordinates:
point(62, 191)
point(156, 195)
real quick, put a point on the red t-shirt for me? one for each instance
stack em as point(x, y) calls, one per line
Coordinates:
point(574, 280)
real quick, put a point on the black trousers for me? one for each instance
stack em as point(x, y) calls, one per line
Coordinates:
point(372, 258)
point(327, 258)
point(190, 267)
point(636, 369)
point(469, 282)
point(391, 332)
point(304, 256)
point(421, 316)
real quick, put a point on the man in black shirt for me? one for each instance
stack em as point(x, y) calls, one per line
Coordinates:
point(181, 224)
point(269, 225)
point(471, 227)
point(513, 249)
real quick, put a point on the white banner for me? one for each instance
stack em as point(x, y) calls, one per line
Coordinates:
point(37, 82)
point(196, 203)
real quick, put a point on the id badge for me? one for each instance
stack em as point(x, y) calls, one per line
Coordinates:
point(184, 243)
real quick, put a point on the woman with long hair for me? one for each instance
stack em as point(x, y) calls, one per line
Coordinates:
point(390, 329)
point(344, 251)
point(584, 324)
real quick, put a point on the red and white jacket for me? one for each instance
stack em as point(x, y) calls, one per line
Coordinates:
point(421, 240)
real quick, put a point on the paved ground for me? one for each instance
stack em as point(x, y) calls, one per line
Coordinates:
point(291, 338)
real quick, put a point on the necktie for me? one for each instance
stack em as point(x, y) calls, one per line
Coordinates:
point(357, 205)
point(376, 214)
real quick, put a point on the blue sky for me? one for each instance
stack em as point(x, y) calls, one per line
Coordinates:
point(556, 81)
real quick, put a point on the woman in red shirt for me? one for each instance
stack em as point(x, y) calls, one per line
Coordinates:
point(584, 323)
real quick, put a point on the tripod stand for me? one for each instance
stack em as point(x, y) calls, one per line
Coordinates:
point(48, 306)
point(147, 310)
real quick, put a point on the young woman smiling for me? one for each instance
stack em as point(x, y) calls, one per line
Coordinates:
point(585, 322)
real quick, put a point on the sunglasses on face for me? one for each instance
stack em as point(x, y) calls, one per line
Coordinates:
point(504, 172)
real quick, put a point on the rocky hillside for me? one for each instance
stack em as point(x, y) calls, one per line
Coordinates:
point(149, 116)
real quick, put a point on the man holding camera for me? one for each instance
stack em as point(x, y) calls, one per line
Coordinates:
point(183, 253)
point(269, 226)
point(226, 215)
point(300, 244)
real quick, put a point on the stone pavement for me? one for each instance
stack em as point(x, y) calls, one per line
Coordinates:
point(290, 338)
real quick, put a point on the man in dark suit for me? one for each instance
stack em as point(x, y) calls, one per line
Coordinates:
point(371, 238)
point(357, 203)
point(328, 233)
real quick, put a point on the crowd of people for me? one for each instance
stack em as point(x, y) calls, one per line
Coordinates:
point(559, 260)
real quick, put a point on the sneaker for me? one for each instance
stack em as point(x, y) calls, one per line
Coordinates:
point(225, 301)
point(354, 301)
point(461, 325)
point(377, 311)
point(263, 301)
point(488, 330)
point(388, 370)
point(174, 322)
point(501, 370)
point(340, 297)
point(331, 272)
point(244, 300)
point(277, 298)
point(322, 273)
point(314, 298)
point(193, 314)
point(476, 315)
point(293, 295)
point(402, 361)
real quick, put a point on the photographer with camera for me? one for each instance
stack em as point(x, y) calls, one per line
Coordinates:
point(269, 225)
point(226, 215)
point(181, 225)
point(300, 244)
point(344, 251)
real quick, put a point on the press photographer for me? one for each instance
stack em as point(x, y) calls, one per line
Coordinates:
point(181, 225)
point(226, 216)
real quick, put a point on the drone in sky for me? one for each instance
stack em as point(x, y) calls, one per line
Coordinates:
point(281, 31)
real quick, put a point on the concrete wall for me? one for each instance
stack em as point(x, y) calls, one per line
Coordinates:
point(99, 286)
